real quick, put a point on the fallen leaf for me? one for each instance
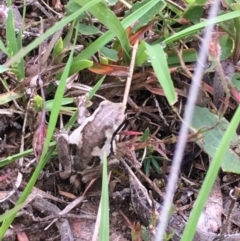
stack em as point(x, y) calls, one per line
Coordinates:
point(112, 70)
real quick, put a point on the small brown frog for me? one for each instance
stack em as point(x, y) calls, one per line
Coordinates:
point(84, 148)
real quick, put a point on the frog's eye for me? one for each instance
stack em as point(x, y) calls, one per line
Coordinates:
point(73, 149)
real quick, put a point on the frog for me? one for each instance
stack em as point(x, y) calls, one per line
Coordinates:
point(86, 146)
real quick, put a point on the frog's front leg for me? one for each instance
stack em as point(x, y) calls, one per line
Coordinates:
point(64, 155)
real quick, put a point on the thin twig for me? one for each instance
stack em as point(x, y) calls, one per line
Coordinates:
point(74, 203)
point(125, 3)
point(159, 110)
point(129, 78)
point(51, 45)
point(183, 65)
point(175, 5)
point(47, 6)
point(39, 135)
point(148, 180)
point(23, 131)
point(225, 82)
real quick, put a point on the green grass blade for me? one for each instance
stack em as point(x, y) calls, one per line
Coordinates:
point(65, 42)
point(49, 32)
point(12, 211)
point(104, 221)
point(3, 68)
point(10, 33)
point(80, 65)
point(193, 29)
point(44, 158)
point(160, 66)
point(210, 178)
point(15, 157)
point(21, 64)
point(109, 35)
point(109, 19)
point(96, 87)
point(3, 48)
point(10, 95)
point(6, 223)
point(68, 37)
point(13, 48)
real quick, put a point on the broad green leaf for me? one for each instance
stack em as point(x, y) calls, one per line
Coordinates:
point(110, 54)
point(87, 29)
point(211, 139)
point(210, 177)
point(72, 7)
point(194, 13)
point(236, 80)
point(160, 66)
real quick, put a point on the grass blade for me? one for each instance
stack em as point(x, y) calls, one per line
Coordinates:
point(160, 66)
point(49, 32)
point(193, 29)
point(44, 158)
point(210, 178)
point(109, 35)
point(104, 222)
point(109, 19)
